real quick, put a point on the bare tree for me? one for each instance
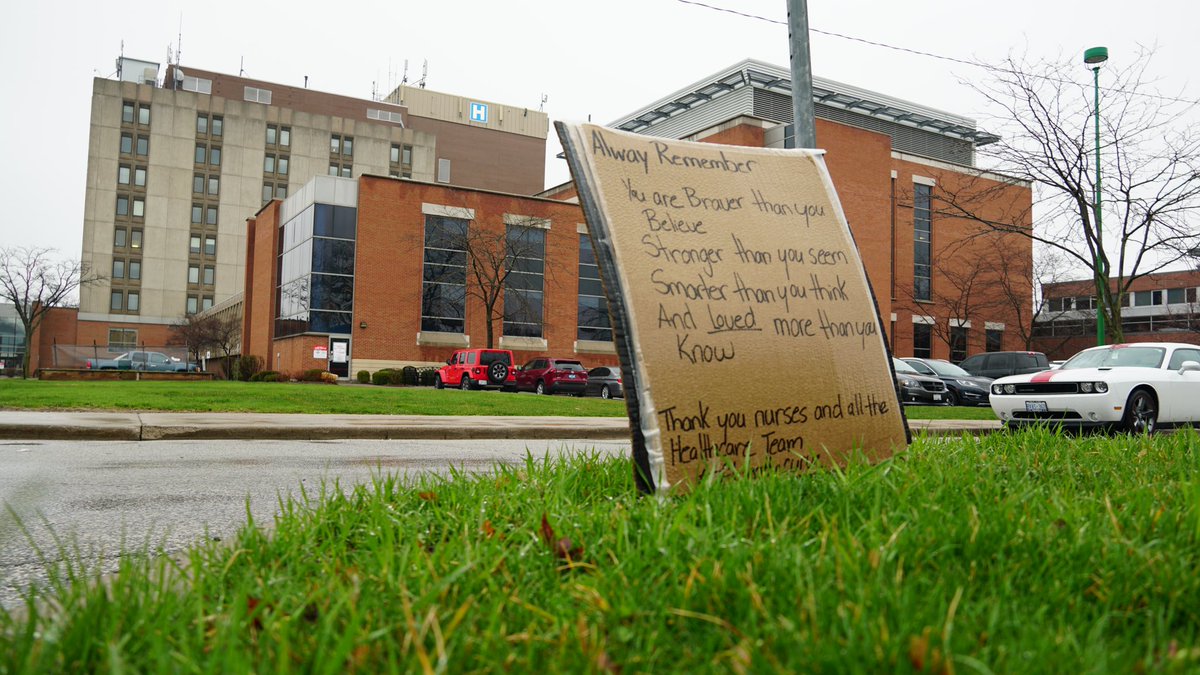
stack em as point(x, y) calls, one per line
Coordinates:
point(1150, 159)
point(499, 267)
point(202, 333)
point(35, 282)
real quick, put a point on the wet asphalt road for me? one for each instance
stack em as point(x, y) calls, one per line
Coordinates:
point(104, 497)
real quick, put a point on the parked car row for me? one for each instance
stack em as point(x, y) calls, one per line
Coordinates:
point(142, 360)
point(495, 369)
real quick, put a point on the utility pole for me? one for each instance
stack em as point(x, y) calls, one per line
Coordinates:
point(802, 96)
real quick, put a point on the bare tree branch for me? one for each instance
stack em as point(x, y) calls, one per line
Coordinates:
point(35, 282)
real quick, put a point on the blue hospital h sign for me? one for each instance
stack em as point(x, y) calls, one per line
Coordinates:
point(479, 112)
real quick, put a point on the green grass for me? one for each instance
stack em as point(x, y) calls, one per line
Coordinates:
point(1032, 552)
point(272, 397)
point(267, 397)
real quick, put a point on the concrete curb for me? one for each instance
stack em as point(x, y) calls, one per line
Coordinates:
point(111, 426)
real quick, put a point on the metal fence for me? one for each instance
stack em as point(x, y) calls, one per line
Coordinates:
point(123, 357)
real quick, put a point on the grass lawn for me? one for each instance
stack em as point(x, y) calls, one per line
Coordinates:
point(1013, 553)
point(278, 397)
point(270, 397)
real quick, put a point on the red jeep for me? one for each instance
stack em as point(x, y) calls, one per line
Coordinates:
point(477, 369)
point(552, 376)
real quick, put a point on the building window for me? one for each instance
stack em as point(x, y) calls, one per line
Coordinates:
point(143, 146)
point(132, 301)
point(135, 269)
point(214, 185)
point(192, 302)
point(406, 155)
point(210, 245)
point(139, 208)
point(922, 340)
point(135, 239)
point(206, 303)
point(269, 164)
point(282, 167)
point(523, 287)
point(210, 215)
point(121, 339)
point(958, 343)
point(993, 340)
point(126, 144)
point(119, 236)
point(193, 274)
point(256, 95)
point(218, 125)
point(116, 300)
point(444, 290)
point(118, 268)
point(197, 214)
point(139, 176)
point(592, 318)
point(210, 275)
point(395, 156)
point(201, 125)
point(194, 244)
point(1175, 296)
point(123, 174)
point(127, 112)
point(443, 174)
point(201, 153)
point(285, 136)
point(922, 243)
point(272, 134)
point(122, 205)
point(341, 145)
point(143, 114)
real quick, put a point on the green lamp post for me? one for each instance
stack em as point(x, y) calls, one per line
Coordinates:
point(1094, 57)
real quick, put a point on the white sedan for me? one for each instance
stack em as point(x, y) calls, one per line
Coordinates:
point(1136, 385)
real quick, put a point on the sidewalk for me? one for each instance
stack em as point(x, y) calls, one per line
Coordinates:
point(118, 426)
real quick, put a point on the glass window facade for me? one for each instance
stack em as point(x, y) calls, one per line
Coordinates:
point(316, 271)
point(524, 286)
point(444, 276)
point(922, 243)
point(592, 318)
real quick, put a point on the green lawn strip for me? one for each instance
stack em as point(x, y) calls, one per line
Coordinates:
point(270, 397)
point(1030, 552)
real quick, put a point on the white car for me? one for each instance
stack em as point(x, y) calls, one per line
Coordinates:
point(1136, 386)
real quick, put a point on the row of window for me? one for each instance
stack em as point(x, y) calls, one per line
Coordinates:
point(135, 113)
point(124, 301)
point(127, 268)
point(277, 164)
point(140, 148)
point(279, 136)
point(210, 125)
point(209, 184)
point(204, 214)
point(341, 145)
point(198, 303)
point(207, 279)
point(1152, 298)
point(127, 237)
point(130, 206)
point(208, 154)
point(923, 341)
point(131, 175)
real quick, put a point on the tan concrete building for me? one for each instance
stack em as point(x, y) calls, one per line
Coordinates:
point(179, 158)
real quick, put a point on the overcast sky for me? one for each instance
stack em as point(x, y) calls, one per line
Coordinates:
point(600, 59)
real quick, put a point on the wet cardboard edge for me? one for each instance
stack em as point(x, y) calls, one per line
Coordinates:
point(600, 232)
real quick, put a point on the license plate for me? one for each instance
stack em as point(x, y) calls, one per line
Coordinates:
point(570, 377)
point(1036, 406)
point(937, 397)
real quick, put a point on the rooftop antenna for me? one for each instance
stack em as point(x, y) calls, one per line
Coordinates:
point(179, 41)
point(121, 59)
point(242, 67)
point(404, 78)
point(542, 107)
point(424, 73)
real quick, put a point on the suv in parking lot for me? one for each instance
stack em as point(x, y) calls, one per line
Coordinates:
point(477, 369)
point(553, 376)
point(1000, 364)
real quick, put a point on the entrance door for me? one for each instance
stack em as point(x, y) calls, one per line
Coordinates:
point(339, 356)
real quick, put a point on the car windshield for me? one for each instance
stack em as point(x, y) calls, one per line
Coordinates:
point(1117, 357)
point(902, 367)
point(947, 369)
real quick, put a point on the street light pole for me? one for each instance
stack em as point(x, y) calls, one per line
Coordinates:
point(1094, 57)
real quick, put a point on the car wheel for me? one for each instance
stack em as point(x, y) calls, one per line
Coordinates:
point(1141, 413)
point(497, 373)
point(540, 389)
point(437, 382)
point(606, 393)
point(465, 385)
point(951, 397)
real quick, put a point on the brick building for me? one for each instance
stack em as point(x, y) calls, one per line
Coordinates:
point(1159, 307)
point(375, 264)
point(945, 287)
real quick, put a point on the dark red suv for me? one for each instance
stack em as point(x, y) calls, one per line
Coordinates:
point(477, 369)
point(553, 376)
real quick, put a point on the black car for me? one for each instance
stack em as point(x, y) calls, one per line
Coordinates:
point(605, 382)
point(962, 388)
point(915, 388)
point(1001, 364)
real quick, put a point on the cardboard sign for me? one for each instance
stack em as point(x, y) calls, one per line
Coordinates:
point(321, 352)
point(339, 352)
point(742, 315)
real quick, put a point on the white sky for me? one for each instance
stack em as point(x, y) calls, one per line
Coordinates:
point(603, 60)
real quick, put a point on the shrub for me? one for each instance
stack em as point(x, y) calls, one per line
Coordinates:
point(246, 367)
point(396, 377)
point(267, 376)
point(409, 376)
point(329, 378)
point(313, 375)
point(364, 377)
point(425, 376)
point(382, 377)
